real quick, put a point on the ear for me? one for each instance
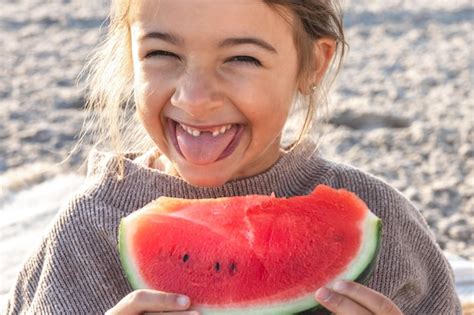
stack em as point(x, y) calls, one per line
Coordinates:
point(324, 49)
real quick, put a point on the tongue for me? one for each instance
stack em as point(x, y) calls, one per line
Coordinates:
point(205, 148)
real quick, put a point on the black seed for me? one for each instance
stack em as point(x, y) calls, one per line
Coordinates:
point(233, 268)
point(217, 266)
point(185, 257)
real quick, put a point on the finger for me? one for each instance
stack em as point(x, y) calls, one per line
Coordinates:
point(140, 301)
point(372, 300)
point(339, 304)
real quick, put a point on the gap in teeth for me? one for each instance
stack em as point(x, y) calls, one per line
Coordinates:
point(215, 132)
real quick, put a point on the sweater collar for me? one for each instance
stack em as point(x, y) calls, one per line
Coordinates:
point(295, 173)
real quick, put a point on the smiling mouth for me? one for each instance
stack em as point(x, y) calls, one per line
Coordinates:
point(204, 145)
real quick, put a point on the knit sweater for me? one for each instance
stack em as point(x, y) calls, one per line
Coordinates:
point(76, 269)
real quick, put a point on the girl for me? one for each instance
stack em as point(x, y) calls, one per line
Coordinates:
point(212, 83)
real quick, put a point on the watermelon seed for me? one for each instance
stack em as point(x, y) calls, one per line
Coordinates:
point(217, 266)
point(185, 257)
point(232, 268)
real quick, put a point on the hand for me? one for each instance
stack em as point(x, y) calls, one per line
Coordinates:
point(151, 301)
point(348, 297)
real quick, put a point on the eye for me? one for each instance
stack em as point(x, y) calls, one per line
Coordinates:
point(246, 59)
point(160, 53)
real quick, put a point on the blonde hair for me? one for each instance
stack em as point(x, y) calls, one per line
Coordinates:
point(112, 119)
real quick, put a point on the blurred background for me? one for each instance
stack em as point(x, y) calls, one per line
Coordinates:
point(402, 109)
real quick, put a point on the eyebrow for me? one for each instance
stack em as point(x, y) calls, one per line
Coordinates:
point(228, 42)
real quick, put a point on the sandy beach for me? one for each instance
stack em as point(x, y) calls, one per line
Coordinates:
point(402, 109)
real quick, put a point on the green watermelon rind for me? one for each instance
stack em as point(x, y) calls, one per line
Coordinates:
point(359, 270)
point(131, 272)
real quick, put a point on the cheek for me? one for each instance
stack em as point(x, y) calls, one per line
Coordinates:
point(149, 90)
point(271, 103)
point(265, 103)
point(268, 116)
point(143, 101)
point(149, 106)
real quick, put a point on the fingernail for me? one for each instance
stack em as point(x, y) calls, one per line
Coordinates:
point(323, 294)
point(182, 300)
point(340, 286)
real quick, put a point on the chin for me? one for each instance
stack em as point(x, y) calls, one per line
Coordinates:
point(204, 179)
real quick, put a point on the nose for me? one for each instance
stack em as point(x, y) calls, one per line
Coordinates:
point(197, 93)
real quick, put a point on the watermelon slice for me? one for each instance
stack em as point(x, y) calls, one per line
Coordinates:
point(251, 254)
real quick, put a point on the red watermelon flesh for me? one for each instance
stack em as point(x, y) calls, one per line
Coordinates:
point(251, 254)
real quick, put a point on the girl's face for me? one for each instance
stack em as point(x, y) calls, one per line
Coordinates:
point(213, 83)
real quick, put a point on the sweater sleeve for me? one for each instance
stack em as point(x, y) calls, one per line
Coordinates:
point(412, 269)
point(76, 269)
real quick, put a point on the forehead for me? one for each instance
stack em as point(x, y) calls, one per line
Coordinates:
point(206, 20)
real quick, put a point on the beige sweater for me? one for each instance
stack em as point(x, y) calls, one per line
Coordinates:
point(76, 270)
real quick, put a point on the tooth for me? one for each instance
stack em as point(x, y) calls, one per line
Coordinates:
point(228, 127)
point(196, 133)
point(222, 130)
point(215, 133)
point(186, 128)
point(190, 130)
